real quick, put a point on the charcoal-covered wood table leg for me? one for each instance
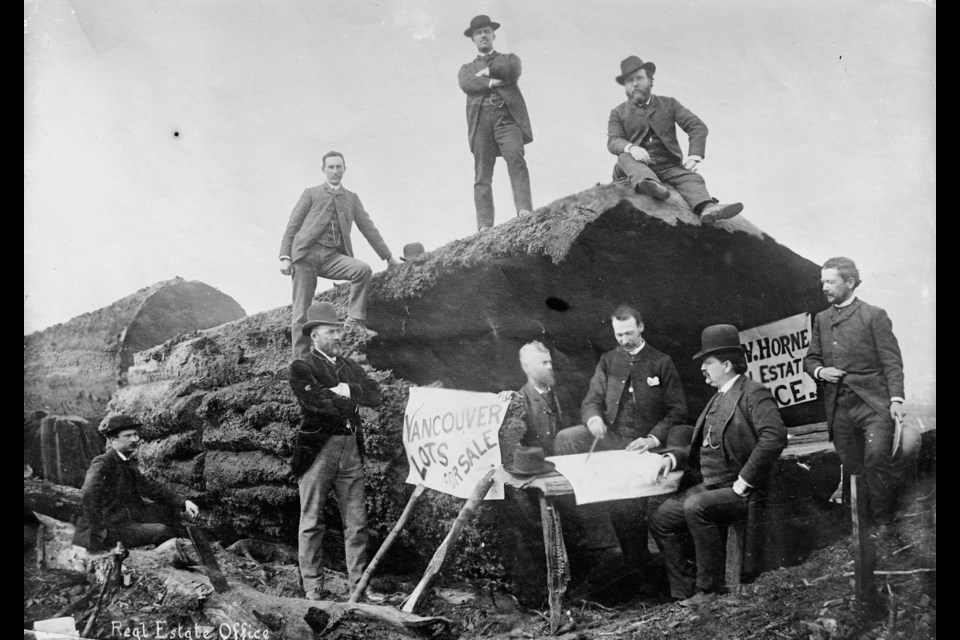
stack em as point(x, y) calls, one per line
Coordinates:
point(558, 567)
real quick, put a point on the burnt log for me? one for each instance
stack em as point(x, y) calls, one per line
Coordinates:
point(53, 500)
point(74, 367)
point(220, 417)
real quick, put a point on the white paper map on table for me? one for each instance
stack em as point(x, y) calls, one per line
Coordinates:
point(614, 475)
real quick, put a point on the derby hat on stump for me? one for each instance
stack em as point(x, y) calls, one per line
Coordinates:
point(413, 251)
point(479, 22)
point(529, 461)
point(117, 422)
point(631, 64)
point(320, 313)
point(716, 338)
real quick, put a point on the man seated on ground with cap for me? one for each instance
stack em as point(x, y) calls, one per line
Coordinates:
point(642, 133)
point(736, 442)
point(113, 509)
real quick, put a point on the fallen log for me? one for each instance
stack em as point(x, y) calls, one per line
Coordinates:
point(245, 608)
point(53, 500)
point(169, 570)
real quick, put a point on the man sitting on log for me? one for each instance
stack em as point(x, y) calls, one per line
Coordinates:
point(635, 398)
point(113, 509)
point(736, 442)
point(642, 133)
point(329, 449)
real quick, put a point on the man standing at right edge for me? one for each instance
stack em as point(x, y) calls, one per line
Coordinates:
point(856, 357)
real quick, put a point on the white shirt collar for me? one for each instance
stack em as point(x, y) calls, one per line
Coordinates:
point(728, 384)
point(643, 343)
point(122, 457)
point(334, 188)
point(846, 303)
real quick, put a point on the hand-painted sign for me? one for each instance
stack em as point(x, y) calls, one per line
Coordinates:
point(450, 438)
point(775, 354)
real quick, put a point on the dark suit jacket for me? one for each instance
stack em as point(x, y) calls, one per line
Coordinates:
point(503, 66)
point(112, 496)
point(542, 420)
point(325, 412)
point(660, 404)
point(312, 214)
point(858, 339)
point(628, 125)
point(753, 435)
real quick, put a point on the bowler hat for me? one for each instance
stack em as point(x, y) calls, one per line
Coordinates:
point(632, 63)
point(529, 461)
point(320, 313)
point(718, 337)
point(479, 22)
point(117, 422)
point(413, 251)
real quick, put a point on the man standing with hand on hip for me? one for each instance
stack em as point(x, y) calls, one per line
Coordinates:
point(497, 120)
point(316, 244)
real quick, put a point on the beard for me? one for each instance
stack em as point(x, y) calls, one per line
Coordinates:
point(546, 379)
point(331, 348)
point(639, 96)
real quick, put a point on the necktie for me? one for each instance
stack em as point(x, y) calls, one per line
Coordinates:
point(551, 401)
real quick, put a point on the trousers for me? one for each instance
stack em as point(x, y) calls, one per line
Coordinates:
point(325, 262)
point(691, 186)
point(498, 133)
point(338, 467)
point(687, 526)
point(864, 442)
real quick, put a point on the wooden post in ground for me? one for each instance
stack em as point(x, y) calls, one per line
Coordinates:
point(388, 541)
point(864, 551)
point(465, 515)
point(558, 566)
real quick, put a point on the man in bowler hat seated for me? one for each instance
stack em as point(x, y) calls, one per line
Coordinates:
point(736, 442)
point(642, 133)
point(113, 506)
point(328, 453)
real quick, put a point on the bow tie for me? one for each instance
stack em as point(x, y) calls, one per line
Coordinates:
point(487, 57)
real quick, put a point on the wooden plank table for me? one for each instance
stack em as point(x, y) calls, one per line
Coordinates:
point(806, 440)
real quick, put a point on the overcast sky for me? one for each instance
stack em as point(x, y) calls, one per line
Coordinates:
point(173, 137)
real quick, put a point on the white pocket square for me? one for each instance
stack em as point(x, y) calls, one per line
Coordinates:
point(654, 381)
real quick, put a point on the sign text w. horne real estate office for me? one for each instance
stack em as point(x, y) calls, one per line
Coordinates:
point(775, 353)
point(450, 438)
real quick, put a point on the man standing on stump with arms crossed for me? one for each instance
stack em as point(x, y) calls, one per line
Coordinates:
point(497, 120)
point(329, 450)
point(642, 132)
point(856, 357)
point(635, 398)
point(316, 244)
